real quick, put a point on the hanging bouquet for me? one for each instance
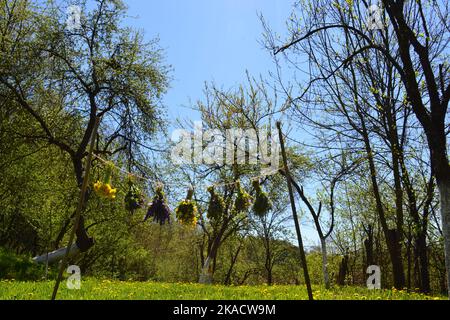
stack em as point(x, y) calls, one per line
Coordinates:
point(187, 211)
point(104, 188)
point(262, 204)
point(134, 199)
point(159, 209)
point(243, 200)
point(216, 206)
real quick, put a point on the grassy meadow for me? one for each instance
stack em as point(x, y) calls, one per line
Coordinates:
point(95, 289)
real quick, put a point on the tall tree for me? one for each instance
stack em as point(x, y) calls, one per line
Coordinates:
point(62, 76)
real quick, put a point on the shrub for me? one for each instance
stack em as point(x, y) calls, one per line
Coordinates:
point(19, 267)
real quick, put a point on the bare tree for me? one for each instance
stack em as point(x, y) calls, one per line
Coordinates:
point(413, 42)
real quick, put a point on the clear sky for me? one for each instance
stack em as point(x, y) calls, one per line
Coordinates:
point(210, 40)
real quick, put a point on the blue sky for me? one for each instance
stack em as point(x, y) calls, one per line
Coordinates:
point(208, 40)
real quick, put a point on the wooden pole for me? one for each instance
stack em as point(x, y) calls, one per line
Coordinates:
point(79, 208)
point(294, 213)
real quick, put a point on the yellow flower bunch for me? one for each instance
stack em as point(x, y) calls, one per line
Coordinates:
point(187, 211)
point(190, 223)
point(105, 190)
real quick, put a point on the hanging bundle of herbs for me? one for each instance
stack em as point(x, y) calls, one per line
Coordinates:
point(262, 203)
point(216, 207)
point(243, 200)
point(187, 211)
point(134, 199)
point(159, 209)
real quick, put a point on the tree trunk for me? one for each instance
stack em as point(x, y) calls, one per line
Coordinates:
point(422, 253)
point(206, 277)
point(326, 277)
point(268, 263)
point(396, 258)
point(208, 269)
point(343, 269)
point(269, 276)
point(57, 255)
point(408, 259)
point(233, 263)
point(444, 192)
point(392, 236)
point(83, 240)
point(368, 245)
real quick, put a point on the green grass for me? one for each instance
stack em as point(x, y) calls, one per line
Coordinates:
point(94, 289)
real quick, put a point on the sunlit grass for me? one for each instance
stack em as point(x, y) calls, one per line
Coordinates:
point(94, 289)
